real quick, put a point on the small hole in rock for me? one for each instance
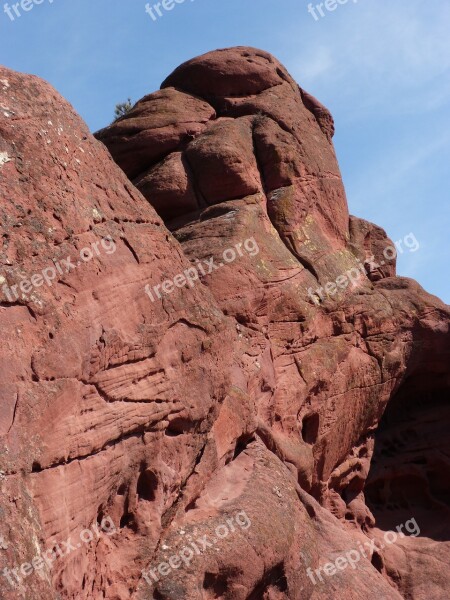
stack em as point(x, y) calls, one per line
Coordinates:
point(310, 428)
point(122, 490)
point(177, 427)
point(217, 584)
point(377, 561)
point(242, 444)
point(147, 485)
point(127, 520)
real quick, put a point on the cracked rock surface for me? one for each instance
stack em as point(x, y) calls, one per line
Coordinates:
point(321, 417)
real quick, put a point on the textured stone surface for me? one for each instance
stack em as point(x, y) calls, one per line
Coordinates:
point(97, 382)
point(322, 417)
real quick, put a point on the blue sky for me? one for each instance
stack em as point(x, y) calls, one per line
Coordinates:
point(381, 67)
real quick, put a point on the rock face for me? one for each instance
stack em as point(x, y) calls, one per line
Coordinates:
point(220, 375)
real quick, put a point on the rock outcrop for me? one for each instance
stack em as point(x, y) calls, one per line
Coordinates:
point(219, 359)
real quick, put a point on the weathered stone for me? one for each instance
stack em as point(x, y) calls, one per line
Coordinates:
point(317, 411)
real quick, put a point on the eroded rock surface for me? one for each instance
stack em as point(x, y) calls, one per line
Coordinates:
point(303, 415)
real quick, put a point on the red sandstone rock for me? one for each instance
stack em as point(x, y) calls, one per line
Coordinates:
point(318, 417)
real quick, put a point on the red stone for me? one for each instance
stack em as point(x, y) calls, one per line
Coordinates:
point(322, 422)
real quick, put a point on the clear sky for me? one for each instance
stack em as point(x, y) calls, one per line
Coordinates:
point(381, 67)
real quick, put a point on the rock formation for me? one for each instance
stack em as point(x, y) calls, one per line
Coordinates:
point(284, 408)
